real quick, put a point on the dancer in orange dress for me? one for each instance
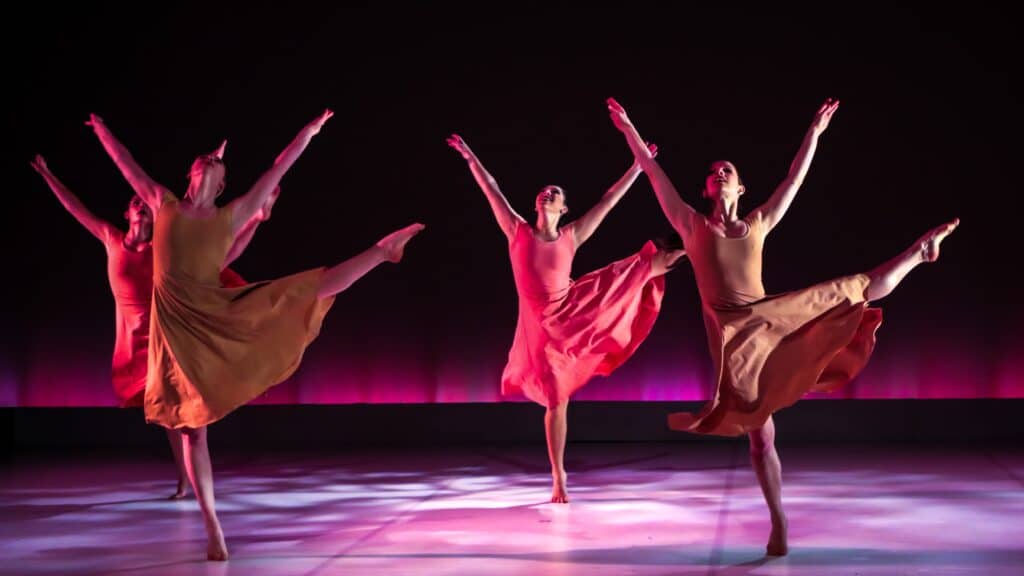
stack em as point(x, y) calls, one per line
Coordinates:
point(213, 348)
point(768, 350)
point(569, 331)
point(130, 273)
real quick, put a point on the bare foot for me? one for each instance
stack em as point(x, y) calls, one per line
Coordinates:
point(180, 492)
point(778, 541)
point(394, 244)
point(667, 259)
point(216, 547)
point(559, 495)
point(930, 242)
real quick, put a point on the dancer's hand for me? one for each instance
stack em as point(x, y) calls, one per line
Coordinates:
point(456, 142)
point(824, 115)
point(618, 115)
point(653, 148)
point(393, 245)
point(39, 164)
point(94, 121)
point(313, 128)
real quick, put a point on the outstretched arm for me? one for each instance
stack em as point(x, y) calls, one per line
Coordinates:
point(503, 212)
point(148, 189)
point(776, 206)
point(678, 212)
point(246, 233)
point(243, 209)
point(97, 227)
point(587, 224)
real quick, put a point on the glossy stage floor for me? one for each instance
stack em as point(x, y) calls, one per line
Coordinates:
point(637, 508)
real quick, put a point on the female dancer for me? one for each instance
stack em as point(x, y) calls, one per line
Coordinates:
point(569, 331)
point(130, 274)
point(212, 348)
point(769, 350)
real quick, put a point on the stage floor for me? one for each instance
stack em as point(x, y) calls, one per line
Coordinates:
point(636, 509)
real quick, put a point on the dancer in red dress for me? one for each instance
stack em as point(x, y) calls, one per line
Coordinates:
point(569, 331)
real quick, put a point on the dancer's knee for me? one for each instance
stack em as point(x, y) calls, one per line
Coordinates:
point(762, 440)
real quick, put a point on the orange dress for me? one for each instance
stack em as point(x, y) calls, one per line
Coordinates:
point(130, 273)
point(212, 348)
point(768, 351)
point(569, 331)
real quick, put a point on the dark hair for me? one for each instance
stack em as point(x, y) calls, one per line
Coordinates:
point(704, 188)
point(669, 242)
point(558, 190)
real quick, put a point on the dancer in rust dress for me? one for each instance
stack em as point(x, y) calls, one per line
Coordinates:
point(214, 348)
point(768, 350)
point(130, 274)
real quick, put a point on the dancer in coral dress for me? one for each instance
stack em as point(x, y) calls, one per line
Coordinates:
point(569, 331)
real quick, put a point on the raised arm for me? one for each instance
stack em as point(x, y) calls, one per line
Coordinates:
point(101, 229)
point(245, 235)
point(244, 208)
point(587, 224)
point(776, 206)
point(503, 212)
point(678, 212)
point(148, 189)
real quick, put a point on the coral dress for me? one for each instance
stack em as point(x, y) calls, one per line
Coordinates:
point(569, 331)
point(130, 273)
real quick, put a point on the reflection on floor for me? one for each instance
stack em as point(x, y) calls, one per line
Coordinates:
point(636, 509)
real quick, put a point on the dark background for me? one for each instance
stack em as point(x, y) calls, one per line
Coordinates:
point(928, 129)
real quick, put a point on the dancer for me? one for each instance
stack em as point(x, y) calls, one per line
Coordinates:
point(569, 331)
point(211, 348)
point(768, 351)
point(130, 274)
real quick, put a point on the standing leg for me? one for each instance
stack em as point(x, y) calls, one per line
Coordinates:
point(174, 437)
point(766, 464)
point(556, 425)
point(200, 472)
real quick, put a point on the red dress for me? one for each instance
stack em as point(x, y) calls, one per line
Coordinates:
point(569, 331)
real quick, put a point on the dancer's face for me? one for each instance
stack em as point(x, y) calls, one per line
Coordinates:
point(551, 199)
point(723, 181)
point(138, 211)
point(208, 169)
